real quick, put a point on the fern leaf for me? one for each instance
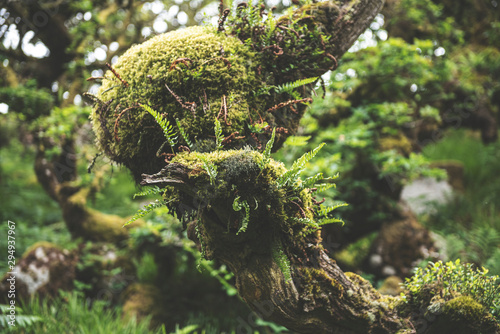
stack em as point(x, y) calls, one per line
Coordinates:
point(210, 168)
point(267, 151)
point(281, 260)
point(310, 181)
point(238, 205)
point(324, 186)
point(330, 221)
point(290, 86)
point(144, 211)
point(183, 134)
point(297, 141)
point(326, 210)
point(290, 176)
point(168, 129)
point(218, 135)
point(149, 191)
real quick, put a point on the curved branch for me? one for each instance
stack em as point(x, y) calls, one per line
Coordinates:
point(319, 297)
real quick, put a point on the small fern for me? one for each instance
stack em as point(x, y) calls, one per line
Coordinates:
point(144, 211)
point(291, 176)
point(324, 186)
point(312, 180)
point(21, 320)
point(324, 211)
point(266, 155)
point(168, 129)
point(238, 205)
point(149, 191)
point(297, 141)
point(211, 169)
point(184, 134)
point(289, 87)
point(281, 260)
point(218, 135)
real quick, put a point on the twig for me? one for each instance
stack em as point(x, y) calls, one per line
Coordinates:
point(125, 83)
point(230, 138)
point(288, 103)
point(191, 106)
point(180, 60)
point(223, 107)
point(95, 78)
point(115, 130)
point(300, 208)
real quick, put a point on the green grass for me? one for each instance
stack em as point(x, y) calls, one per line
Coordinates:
point(470, 223)
point(73, 314)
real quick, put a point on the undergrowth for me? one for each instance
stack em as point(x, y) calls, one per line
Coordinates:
point(72, 313)
point(470, 223)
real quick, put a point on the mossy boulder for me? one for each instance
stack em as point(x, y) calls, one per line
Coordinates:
point(44, 269)
point(399, 246)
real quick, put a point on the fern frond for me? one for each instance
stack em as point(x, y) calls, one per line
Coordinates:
point(290, 176)
point(183, 134)
point(218, 135)
point(323, 211)
point(297, 141)
point(325, 186)
point(266, 155)
point(238, 205)
point(281, 260)
point(290, 86)
point(210, 168)
point(144, 211)
point(168, 129)
point(149, 191)
point(311, 181)
point(326, 221)
point(305, 221)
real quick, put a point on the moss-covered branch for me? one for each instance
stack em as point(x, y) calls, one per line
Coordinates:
point(282, 271)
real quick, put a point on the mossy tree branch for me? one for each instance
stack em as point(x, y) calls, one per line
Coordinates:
point(320, 297)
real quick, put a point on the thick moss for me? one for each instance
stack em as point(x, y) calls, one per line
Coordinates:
point(462, 315)
point(91, 224)
point(208, 75)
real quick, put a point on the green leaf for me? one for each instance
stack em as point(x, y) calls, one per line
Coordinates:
point(144, 211)
point(281, 260)
point(238, 205)
point(183, 134)
point(266, 155)
point(290, 86)
point(290, 176)
point(168, 129)
point(149, 191)
point(210, 168)
point(297, 141)
point(218, 135)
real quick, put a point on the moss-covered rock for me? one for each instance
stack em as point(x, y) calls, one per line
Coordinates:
point(398, 247)
point(44, 269)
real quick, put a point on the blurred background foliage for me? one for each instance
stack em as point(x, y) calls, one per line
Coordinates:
point(420, 86)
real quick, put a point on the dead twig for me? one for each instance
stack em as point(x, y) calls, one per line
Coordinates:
point(179, 60)
point(125, 83)
point(191, 106)
point(115, 130)
point(288, 103)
